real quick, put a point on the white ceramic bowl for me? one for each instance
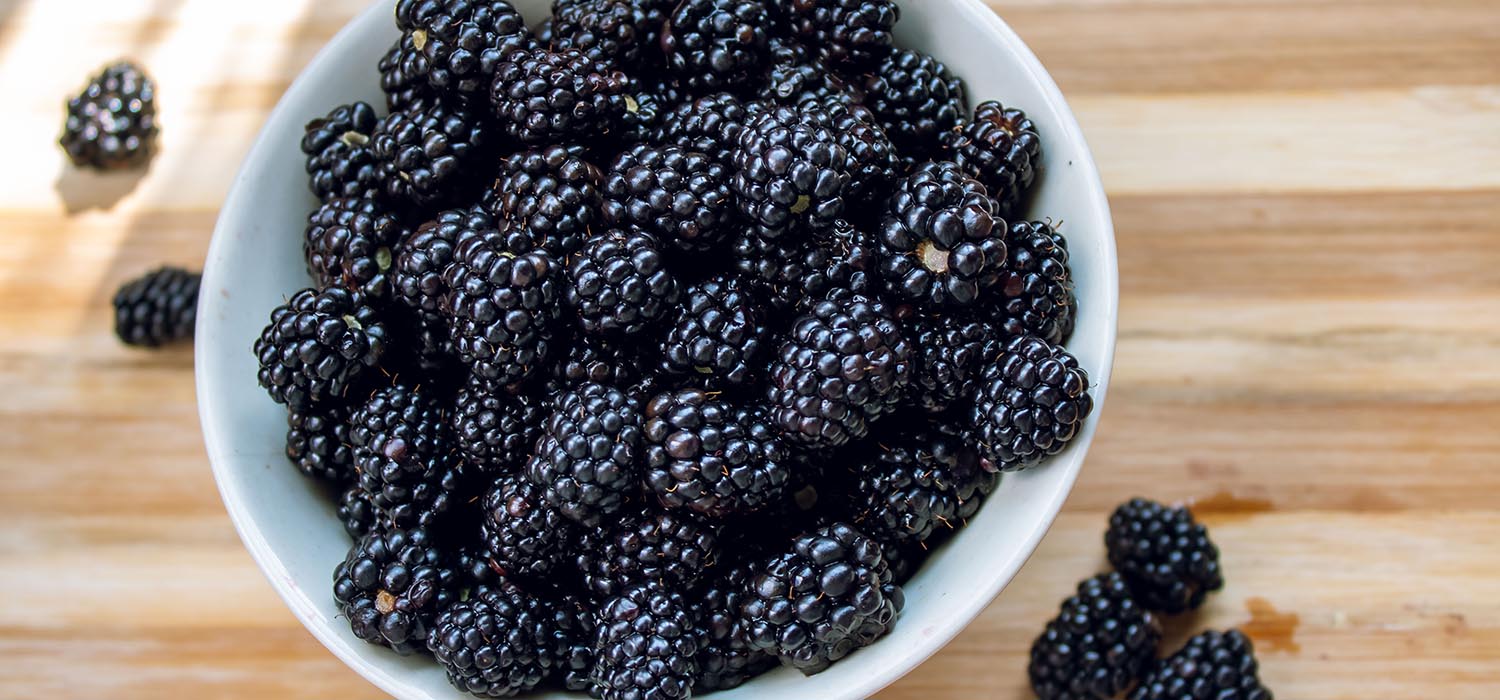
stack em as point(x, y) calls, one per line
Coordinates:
point(255, 262)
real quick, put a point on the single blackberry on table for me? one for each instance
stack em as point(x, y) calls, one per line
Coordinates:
point(850, 34)
point(504, 304)
point(1029, 404)
point(710, 124)
point(404, 92)
point(911, 488)
point(586, 457)
point(720, 334)
point(523, 535)
point(545, 96)
point(949, 355)
point(716, 44)
point(111, 125)
point(339, 160)
point(680, 196)
point(319, 346)
point(942, 243)
point(404, 455)
point(646, 647)
point(725, 659)
point(792, 272)
point(619, 283)
point(829, 595)
point(497, 642)
point(359, 516)
point(793, 172)
point(157, 308)
point(1099, 645)
point(391, 587)
point(672, 548)
point(621, 33)
point(1001, 148)
point(317, 443)
point(710, 457)
point(915, 99)
point(457, 44)
point(496, 429)
point(553, 194)
point(1037, 285)
point(1211, 666)
point(349, 243)
point(600, 361)
point(1164, 554)
point(431, 156)
point(843, 363)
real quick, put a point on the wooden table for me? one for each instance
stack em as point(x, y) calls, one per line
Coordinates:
point(1307, 194)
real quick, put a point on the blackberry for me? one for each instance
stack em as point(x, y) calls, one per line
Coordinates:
point(404, 92)
point(1098, 646)
point(111, 125)
point(907, 490)
point(157, 308)
point(523, 535)
point(645, 107)
point(620, 33)
point(792, 272)
point(619, 283)
point(551, 193)
point(904, 560)
point(710, 457)
point(950, 353)
point(941, 240)
point(915, 99)
point(425, 253)
point(1165, 555)
point(872, 156)
point(793, 172)
point(646, 648)
point(358, 515)
point(504, 303)
point(319, 346)
point(1213, 665)
point(725, 659)
point(843, 363)
point(680, 196)
point(576, 632)
point(717, 44)
point(457, 44)
point(1001, 148)
point(403, 452)
point(496, 429)
point(339, 160)
point(796, 77)
point(850, 34)
point(829, 595)
point(317, 443)
point(600, 361)
point(1029, 404)
point(497, 642)
point(391, 587)
point(672, 548)
point(546, 96)
point(1037, 285)
point(586, 458)
point(349, 244)
point(711, 124)
point(431, 156)
point(720, 334)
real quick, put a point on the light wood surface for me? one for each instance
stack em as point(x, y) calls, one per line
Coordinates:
point(1307, 194)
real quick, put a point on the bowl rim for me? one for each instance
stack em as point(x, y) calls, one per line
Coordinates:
point(218, 446)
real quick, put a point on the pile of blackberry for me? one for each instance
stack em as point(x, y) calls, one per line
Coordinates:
point(606, 316)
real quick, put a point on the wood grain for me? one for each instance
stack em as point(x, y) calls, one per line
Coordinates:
point(1306, 195)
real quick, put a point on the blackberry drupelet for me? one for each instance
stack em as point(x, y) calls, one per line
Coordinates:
point(320, 346)
point(497, 642)
point(621, 33)
point(545, 96)
point(524, 536)
point(1211, 666)
point(600, 361)
point(713, 458)
point(404, 455)
point(111, 125)
point(391, 587)
point(843, 363)
point(725, 659)
point(157, 308)
point(1164, 554)
point(457, 44)
point(431, 156)
point(793, 172)
point(911, 488)
point(915, 98)
point(1029, 404)
point(1099, 645)
point(1037, 285)
point(339, 160)
point(496, 429)
point(551, 193)
point(829, 595)
point(679, 196)
point(358, 515)
point(317, 443)
point(792, 273)
point(349, 244)
point(504, 304)
point(425, 253)
point(711, 124)
point(1001, 148)
point(850, 34)
point(717, 44)
point(949, 355)
point(942, 243)
point(672, 548)
point(720, 334)
point(619, 283)
point(404, 92)
point(586, 458)
point(646, 647)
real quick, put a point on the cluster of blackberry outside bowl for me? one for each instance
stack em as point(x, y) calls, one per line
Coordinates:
point(255, 262)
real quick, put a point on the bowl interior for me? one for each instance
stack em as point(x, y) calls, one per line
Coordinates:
point(255, 263)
